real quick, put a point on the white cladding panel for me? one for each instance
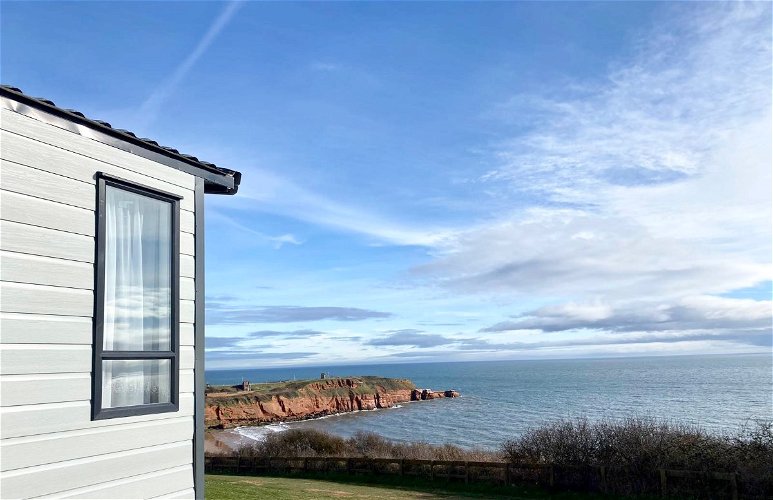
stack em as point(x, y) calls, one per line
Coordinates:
point(50, 445)
point(141, 486)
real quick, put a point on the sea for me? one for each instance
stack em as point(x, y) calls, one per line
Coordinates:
point(502, 399)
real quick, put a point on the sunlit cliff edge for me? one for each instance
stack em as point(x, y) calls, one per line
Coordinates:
point(256, 404)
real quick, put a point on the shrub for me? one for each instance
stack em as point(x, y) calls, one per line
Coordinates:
point(297, 443)
point(313, 443)
point(641, 443)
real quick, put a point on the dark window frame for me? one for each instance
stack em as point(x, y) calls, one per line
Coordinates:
point(100, 355)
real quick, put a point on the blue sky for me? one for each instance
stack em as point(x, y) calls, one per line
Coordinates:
point(447, 181)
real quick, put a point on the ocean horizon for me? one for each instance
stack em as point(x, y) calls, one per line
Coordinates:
point(502, 399)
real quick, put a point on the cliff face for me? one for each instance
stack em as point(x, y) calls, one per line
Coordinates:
point(311, 399)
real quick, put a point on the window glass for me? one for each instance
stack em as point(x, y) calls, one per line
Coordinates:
point(135, 382)
point(138, 256)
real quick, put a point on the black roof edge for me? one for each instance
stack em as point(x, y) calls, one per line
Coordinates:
point(217, 180)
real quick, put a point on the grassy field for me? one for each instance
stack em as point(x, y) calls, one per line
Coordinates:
point(222, 487)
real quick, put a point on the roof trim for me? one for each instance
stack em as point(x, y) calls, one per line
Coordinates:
point(216, 180)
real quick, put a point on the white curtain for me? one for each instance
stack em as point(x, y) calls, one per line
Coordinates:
point(137, 307)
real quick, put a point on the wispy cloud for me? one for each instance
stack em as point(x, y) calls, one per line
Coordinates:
point(293, 334)
point(152, 105)
point(271, 193)
point(704, 313)
point(743, 337)
point(277, 241)
point(220, 313)
point(411, 337)
point(243, 356)
point(654, 182)
point(324, 66)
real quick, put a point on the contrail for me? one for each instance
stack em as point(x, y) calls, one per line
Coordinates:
point(150, 108)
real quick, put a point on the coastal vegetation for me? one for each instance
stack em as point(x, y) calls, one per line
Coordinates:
point(643, 444)
point(631, 456)
point(314, 443)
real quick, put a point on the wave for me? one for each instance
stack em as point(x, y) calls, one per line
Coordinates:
point(259, 433)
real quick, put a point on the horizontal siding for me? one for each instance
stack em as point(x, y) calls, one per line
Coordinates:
point(187, 266)
point(31, 181)
point(187, 244)
point(28, 359)
point(50, 445)
point(62, 476)
point(187, 311)
point(51, 448)
point(38, 212)
point(34, 389)
point(152, 485)
point(44, 388)
point(39, 419)
point(187, 222)
point(186, 334)
point(187, 289)
point(25, 359)
point(42, 299)
point(184, 494)
point(187, 357)
point(43, 213)
point(33, 269)
point(67, 178)
point(60, 301)
point(45, 242)
point(83, 147)
point(44, 329)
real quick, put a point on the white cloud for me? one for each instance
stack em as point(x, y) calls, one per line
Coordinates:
point(691, 314)
point(655, 183)
point(268, 192)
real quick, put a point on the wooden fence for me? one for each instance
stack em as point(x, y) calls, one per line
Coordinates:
point(613, 480)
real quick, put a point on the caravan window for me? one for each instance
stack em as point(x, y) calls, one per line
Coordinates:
point(137, 300)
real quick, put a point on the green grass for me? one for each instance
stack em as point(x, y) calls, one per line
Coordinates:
point(331, 486)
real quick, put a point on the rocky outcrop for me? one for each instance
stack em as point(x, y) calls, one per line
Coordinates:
point(425, 394)
point(309, 399)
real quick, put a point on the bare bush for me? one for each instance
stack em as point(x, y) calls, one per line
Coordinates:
point(641, 446)
point(312, 443)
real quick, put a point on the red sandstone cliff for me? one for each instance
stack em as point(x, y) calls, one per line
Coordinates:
point(309, 399)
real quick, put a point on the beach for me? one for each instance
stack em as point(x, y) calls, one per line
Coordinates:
point(224, 441)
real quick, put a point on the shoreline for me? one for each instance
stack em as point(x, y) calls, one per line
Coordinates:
point(226, 441)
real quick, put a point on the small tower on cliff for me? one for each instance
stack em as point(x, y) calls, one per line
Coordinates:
point(322, 376)
point(245, 385)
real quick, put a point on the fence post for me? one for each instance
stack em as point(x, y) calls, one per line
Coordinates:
point(508, 479)
point(349, 465)
point(431, 470)
point(551, 477)
point(603, 472)
point(466, 472)
point(663, 483)
point(734, 486)
point(238, 464)
point(402, 464)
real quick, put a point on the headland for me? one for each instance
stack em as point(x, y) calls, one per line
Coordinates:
point(258, 404)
